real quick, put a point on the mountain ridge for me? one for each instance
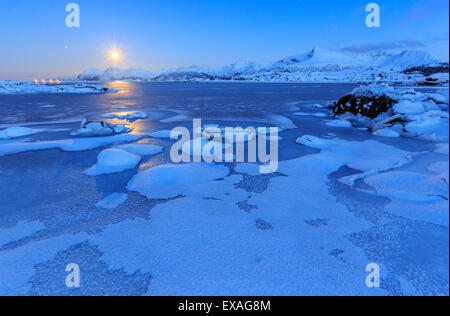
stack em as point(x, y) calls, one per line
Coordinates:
point(318, 64)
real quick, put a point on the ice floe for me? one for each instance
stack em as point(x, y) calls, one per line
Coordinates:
point(170, 181)
point(199, 148)
point(130, 116)
point(141, 149)
point(76, 144)
point(16, 132)
point(340, 123)
point(310, 114)
point(161, 134)
point(114, 161)
point(121, 158)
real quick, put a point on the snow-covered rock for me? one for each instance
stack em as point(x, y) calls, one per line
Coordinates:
point(408, 107)
point(406, 111)
point(366, 101)
point(97, 128)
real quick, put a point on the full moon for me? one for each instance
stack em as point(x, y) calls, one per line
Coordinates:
point(115, 55)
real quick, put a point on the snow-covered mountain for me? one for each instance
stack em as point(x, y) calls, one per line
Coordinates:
point(316, 65)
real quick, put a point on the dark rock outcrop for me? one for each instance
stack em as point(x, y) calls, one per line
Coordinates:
point(428, 70)
point(369, 106)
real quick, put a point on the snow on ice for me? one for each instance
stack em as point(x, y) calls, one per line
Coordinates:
point(113, 161)
point(161, 134)
point(16, 132)
point(76, 144)
point(121, 158)
point(170, 181)
point(340, 123)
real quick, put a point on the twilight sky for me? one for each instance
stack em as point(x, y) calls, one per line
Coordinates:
point(155, 34)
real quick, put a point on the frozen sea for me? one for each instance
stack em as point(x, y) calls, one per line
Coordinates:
point(342, 199)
